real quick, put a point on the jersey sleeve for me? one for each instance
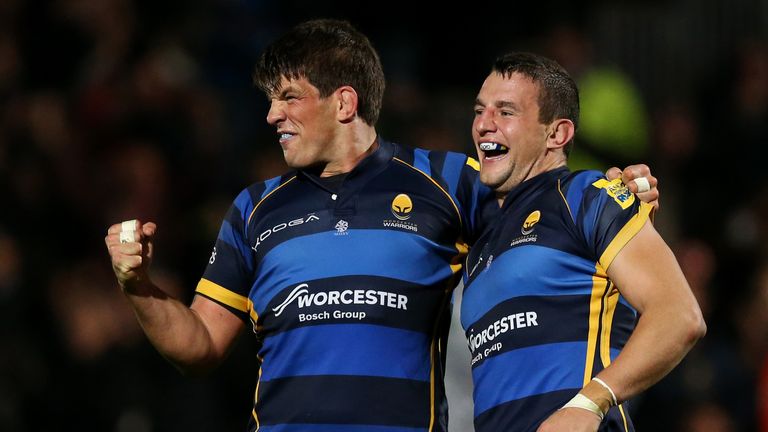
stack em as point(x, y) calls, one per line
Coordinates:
point(228, 277)
point(610, 216)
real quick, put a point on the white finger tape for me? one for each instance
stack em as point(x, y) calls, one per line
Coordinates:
point(129, 225)
point(126, 236)
point(641, 182)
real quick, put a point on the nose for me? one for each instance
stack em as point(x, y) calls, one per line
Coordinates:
point(484, 123)
point(276, 113)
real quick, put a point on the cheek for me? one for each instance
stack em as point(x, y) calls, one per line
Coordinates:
point(475, 123)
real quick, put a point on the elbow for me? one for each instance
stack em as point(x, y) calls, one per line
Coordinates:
point(695, 327)
point(701, 329)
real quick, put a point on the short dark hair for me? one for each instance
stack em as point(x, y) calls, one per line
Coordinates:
point(558, 94)
point(329, 54)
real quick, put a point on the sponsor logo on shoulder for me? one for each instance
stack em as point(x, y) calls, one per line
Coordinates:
point(618, 191)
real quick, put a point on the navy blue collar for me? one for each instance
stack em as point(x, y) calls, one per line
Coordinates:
point(368, 168)
point(533, 184)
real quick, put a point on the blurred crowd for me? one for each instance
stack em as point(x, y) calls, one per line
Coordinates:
point(119, 109)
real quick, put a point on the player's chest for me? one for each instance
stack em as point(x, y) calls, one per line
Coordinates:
point(339, 216)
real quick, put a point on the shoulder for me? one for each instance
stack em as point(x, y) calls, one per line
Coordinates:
point(436, 163)
point(589, 194)
point(254, 194)
point(580, 180)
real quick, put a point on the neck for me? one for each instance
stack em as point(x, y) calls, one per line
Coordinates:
point(551, 161)
point(356, 144)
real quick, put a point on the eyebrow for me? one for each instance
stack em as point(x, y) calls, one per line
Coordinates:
point(498, 104)
point(279, 94)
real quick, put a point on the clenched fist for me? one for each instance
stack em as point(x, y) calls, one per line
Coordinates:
point(130, 248)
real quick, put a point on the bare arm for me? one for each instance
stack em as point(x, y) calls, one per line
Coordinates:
point(194, 339)
point(649, 277)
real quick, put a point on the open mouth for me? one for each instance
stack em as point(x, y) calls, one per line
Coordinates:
point(493, 150)
point(285, 137)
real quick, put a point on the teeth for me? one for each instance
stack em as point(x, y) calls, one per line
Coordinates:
point(285, 135)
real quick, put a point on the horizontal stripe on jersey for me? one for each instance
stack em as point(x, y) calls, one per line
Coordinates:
point(325, 255)
point(325, 399)
point(318, 343)
point(348, 289)
point(383, 301)
point(540, 315)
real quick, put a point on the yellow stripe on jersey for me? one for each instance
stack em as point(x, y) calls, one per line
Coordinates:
point(455, 207)
point(625, 235)
point(599, 285)
point(252, 313)
point(267, 196)
point(624, 417)
point(458, 261)
point(219, 293)
point(473, 163)
point(431, 386)
point(611, 300)
point(256, 400)
point(565, 201)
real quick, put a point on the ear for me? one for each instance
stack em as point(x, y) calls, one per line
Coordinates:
point(559, 133)
point(347, 104)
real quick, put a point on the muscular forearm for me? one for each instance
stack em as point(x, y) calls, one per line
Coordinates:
point(175, 330)
point(193, 338)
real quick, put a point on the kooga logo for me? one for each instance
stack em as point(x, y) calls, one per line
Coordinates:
point(281, 226)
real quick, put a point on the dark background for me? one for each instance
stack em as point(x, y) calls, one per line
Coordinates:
point(119, 109)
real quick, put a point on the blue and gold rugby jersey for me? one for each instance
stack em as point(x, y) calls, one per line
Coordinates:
point(347, 290)
point(540, 315)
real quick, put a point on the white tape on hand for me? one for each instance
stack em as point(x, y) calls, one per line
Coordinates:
point(126, 236)
point(582, 402)
point(641, 182)
point(129, 225)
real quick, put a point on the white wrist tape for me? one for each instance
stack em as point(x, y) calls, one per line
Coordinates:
point(131, 225)
point(610, 390)
point(583, 402)
point(642, 184)
point(126, 237)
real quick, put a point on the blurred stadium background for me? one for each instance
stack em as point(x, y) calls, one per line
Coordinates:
point(114, 109)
